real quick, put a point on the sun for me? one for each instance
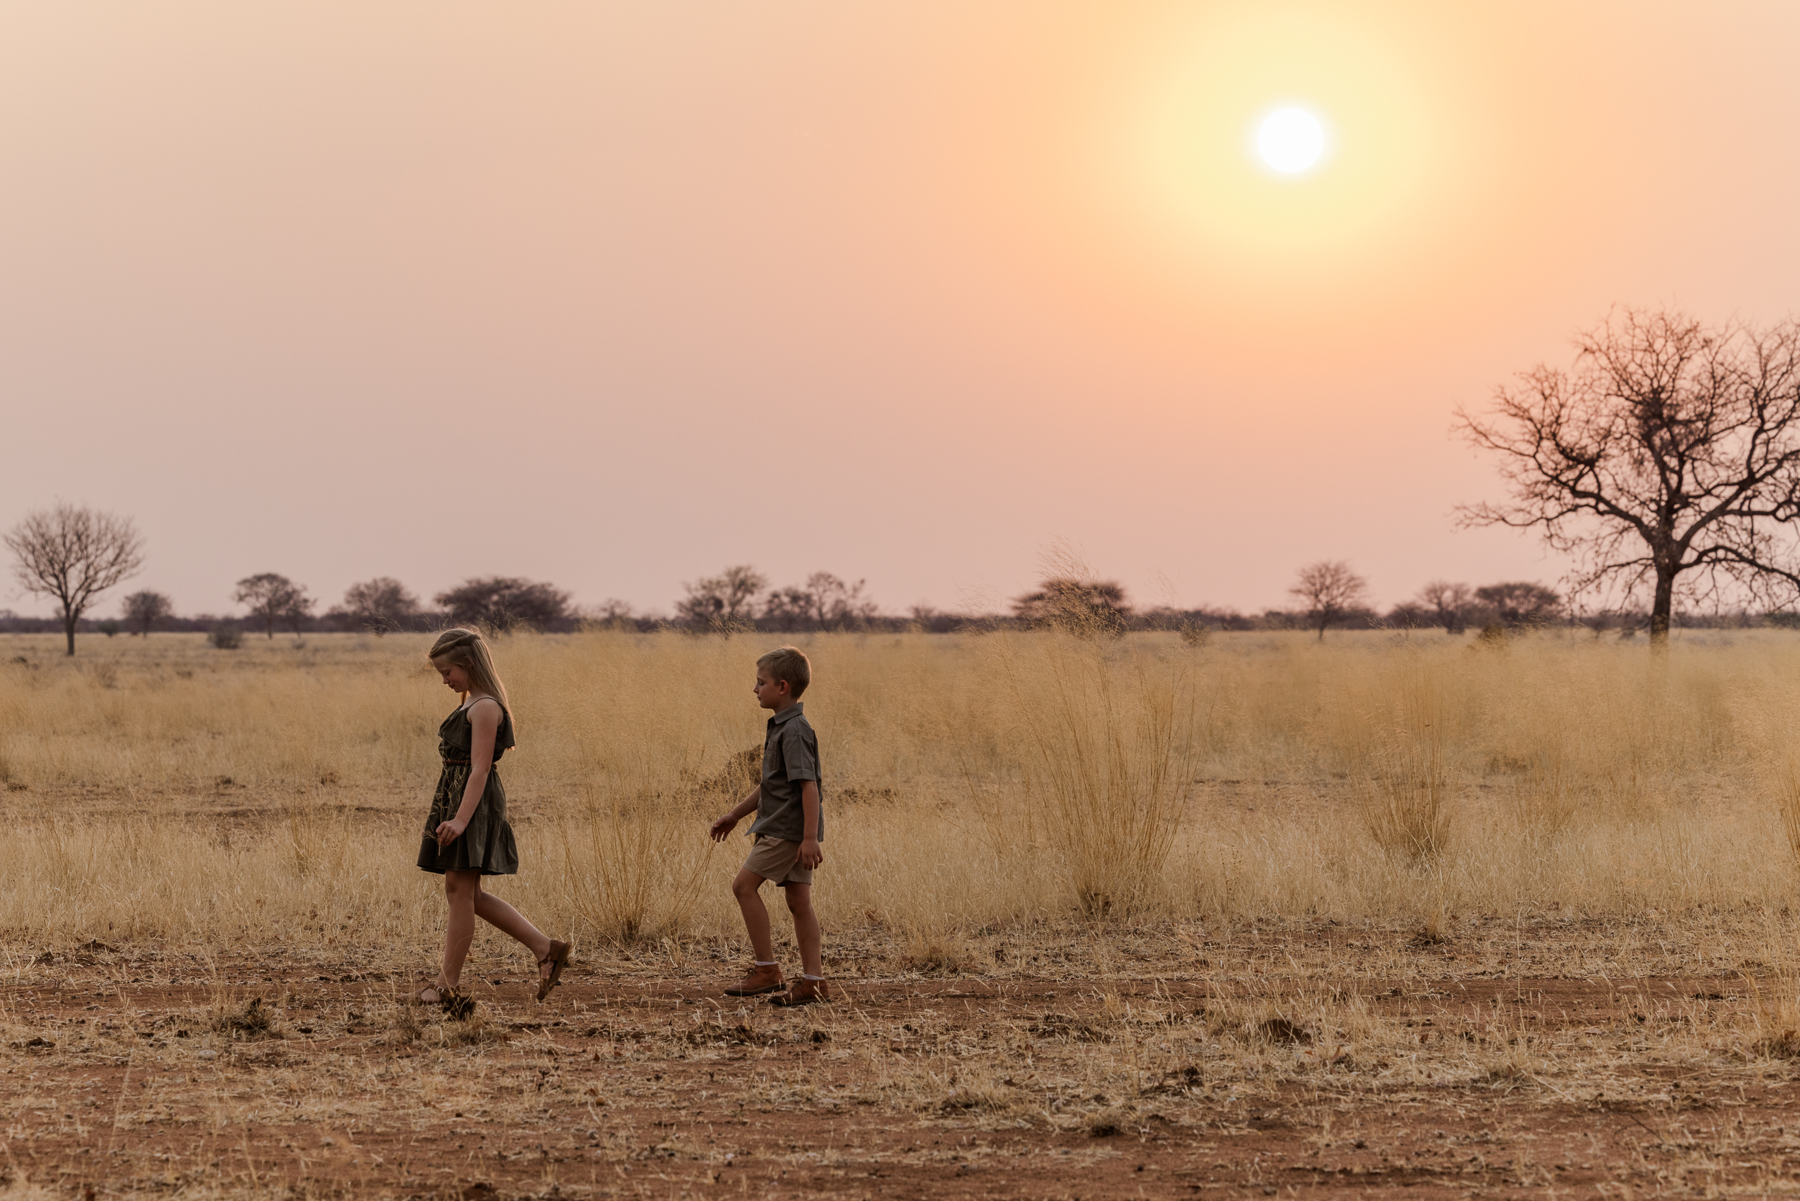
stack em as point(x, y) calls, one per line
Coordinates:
point(1291, 140)
point(1265, 137)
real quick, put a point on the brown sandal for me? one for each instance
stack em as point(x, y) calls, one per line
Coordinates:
point(558, 959)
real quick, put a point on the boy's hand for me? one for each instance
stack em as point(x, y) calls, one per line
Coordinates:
point(721, 829)
point(810, 855)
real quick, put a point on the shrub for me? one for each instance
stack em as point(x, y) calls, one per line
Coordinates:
point(226, 636)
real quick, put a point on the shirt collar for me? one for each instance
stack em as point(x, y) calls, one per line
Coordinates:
point(792, 710)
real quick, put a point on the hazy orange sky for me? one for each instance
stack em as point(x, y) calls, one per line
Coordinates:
point(616, 294)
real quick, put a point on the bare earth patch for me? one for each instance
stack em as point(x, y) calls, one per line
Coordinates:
point(1305, 1059)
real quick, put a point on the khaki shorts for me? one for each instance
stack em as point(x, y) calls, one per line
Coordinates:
point(778, 861)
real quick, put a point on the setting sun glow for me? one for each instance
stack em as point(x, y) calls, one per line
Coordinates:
point(1291, 140)
point(1236, 107)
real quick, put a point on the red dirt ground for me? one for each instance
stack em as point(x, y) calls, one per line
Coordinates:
point(152, 1071)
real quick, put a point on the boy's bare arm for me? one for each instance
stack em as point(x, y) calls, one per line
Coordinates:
point(721, 829)
point(810, 855)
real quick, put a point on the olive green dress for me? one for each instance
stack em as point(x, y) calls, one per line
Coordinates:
point(486, 846)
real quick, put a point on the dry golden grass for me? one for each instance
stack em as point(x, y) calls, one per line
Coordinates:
point(162, 788)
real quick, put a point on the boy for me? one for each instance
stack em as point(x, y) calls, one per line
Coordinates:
point(788, 830)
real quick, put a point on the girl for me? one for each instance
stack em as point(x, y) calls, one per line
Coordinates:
point(466, 837)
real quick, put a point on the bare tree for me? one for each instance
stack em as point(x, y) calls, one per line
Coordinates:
point(273, 600)
point(836, 605)
point(1449, 602)
point(380, 605)
point(1329, 590)
point(73, 554)
point(145, 609)
point(1665, 458)
point(722, 602)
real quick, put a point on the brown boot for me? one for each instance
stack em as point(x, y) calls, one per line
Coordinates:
point(804, 992)
point(762, 978)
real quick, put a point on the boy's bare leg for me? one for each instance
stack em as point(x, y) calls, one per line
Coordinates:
point(459, 889)
point(806, 928)
point(756, 914)
point(497, 913)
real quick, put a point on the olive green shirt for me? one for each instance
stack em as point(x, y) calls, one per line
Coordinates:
point(790, 758)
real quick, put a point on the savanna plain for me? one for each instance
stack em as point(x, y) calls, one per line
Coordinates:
point(1141, 916)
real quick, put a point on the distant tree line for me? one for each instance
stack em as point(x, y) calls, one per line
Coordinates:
point(72, 555)
point(1329, 595)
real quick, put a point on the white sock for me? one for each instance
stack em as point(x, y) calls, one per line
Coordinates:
point(761, 963)
point(804, 976)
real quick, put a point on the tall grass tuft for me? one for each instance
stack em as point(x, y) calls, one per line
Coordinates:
point(1405, 786)
point(633, 863)
point(1768, 735)
point(1105, 753)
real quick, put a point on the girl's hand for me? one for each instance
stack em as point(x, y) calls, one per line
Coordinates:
point(448, 832)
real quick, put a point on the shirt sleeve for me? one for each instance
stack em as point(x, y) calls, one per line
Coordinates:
point(797, 752)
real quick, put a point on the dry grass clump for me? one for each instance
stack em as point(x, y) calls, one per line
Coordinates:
point(1402, 762)
point(1767, 734)
point(1103, 738)
point(936, 953)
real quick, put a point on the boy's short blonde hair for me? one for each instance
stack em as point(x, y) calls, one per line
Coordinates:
point(791, 664)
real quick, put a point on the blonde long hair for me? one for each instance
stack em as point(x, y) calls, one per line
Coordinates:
point(468, 650)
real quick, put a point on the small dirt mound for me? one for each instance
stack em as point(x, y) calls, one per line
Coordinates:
point(938, 957)
point(1281, 1030)
point(252, 1021)
point(1106, 1123)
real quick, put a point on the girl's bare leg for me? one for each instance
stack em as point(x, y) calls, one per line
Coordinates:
point(460, 889)
point(497, 913)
